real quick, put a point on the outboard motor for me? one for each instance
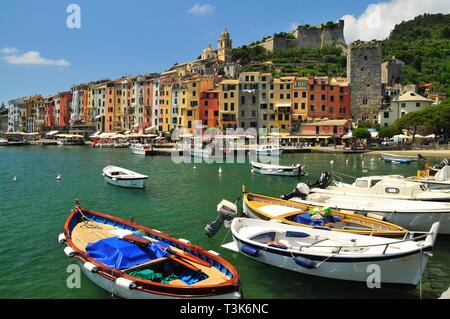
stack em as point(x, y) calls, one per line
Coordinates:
point(227, 211)
point(324, 180)
point(301, 190)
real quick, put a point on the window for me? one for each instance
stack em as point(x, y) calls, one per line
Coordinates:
point(311, 108)
point(243, 113)
point(253, 99)
point(296, 106)
point(295, 94)
point(417, 104)
point(206, 103)
point(311, 97)
point(323, 97)
point(304, 95)
point(243, 99)
point(288, 96)
point(392, 190)
point(323, 108)
point(403, 105)
point(365, 101)
point(323, 87)
point(317, 129)
point(281, 96)
point(332, 98)
point(303, 106)
point(386, 115)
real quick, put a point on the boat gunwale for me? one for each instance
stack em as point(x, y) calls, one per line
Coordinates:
point(228, 286)
point(395, 230)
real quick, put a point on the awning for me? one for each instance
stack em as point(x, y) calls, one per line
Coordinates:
point(51, 133)
point(314, 137)
point(98, 116)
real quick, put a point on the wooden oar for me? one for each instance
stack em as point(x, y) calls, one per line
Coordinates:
point(187, 256)
point(146, 242)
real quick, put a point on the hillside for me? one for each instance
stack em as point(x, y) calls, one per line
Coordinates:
point(422, 43)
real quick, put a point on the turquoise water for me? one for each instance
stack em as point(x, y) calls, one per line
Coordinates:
point(178, 200)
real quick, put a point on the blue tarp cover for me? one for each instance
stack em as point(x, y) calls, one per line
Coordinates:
point(305, 218)
point(121, 254)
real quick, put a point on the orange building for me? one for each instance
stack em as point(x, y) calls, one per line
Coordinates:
point(209, 109)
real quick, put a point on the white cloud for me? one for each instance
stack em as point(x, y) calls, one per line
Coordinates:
point(378, 20)
point(33, 57)
point(201, 9)
point(8, 50)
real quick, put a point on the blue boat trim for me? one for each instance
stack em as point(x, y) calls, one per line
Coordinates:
point(327, 258)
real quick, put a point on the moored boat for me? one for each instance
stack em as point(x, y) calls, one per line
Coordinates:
point(3, 142)
point(269, 150)
point(269, 169)
point(389, 157)
point(142, 149)
point(119, 176)
point(335, 255)
point(298, 214)
point(137, 262)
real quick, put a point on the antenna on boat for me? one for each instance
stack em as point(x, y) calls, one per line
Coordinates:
point(77, 202)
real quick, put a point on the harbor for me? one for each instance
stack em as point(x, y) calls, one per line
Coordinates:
point(178, 200)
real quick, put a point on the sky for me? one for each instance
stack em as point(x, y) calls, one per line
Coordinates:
point(45, 48)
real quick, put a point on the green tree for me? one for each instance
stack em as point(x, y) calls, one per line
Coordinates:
point(387, 132)
point(361, 133)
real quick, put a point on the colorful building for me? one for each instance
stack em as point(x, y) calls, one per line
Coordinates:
point(209, 108)
point(228, 104)
point(326, 128)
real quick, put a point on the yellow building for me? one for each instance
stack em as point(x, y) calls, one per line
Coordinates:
point(228, 104)
point(281, 103)
point(299, 102)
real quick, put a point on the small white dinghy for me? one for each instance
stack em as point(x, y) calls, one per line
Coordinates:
point(119, 176)
point(334, 255)
point(269, 150)
point(268, 169)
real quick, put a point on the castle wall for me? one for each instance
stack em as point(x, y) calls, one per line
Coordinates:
point(309, 38)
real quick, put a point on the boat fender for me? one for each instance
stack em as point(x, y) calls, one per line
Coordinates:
point(375, 216)
point(90, 266)
point(184, 241)
point(61, 238)
point(250, 250)
point(305, 262)
point(296, 234)
point(213, 252)
point(69, 251)
point(114, 179)
point(277, 244)
point(125, 283)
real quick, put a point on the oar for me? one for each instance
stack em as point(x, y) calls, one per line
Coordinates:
point(146, 242)
point(187, 256)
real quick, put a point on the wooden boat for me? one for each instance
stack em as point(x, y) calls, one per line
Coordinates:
point(119, 176)
point(133, 261)
point(389, 157)
point(336, 255)
point(414, 215)
point(297, 214)
point(268, 169)
point(269, 150)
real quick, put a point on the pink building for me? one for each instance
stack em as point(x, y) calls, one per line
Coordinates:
point(326, 128)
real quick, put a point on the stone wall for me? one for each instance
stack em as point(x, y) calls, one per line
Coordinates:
point(364, 76)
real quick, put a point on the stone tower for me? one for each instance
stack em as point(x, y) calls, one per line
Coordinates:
point(224, 46)
point(364, 76)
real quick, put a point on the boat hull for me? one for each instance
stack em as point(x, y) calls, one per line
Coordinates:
point(129, 183)
point(270, 152)
point(125, 293)
point(409, 218)
point(399, 158)
point(403, 270)
point(294, 171)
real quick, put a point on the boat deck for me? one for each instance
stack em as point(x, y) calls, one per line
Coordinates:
point(91, 231)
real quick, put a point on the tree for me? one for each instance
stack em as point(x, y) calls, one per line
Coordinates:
point(412, 122)
point(361, 133)
point(387, 132)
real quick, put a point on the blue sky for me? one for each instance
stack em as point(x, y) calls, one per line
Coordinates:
point(135, 36)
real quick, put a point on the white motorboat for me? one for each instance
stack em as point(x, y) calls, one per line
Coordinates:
point(435, 178)
point(70, 140)
point(389, 157)
point(141, 149)
point(200, 152)
point(123, 177)
point(388, 186)
point(3, 142)
point(268, 169)
point(269, 150)
point(335, 255)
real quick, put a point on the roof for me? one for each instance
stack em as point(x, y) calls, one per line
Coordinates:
point(411, 96)
point(328, 122)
